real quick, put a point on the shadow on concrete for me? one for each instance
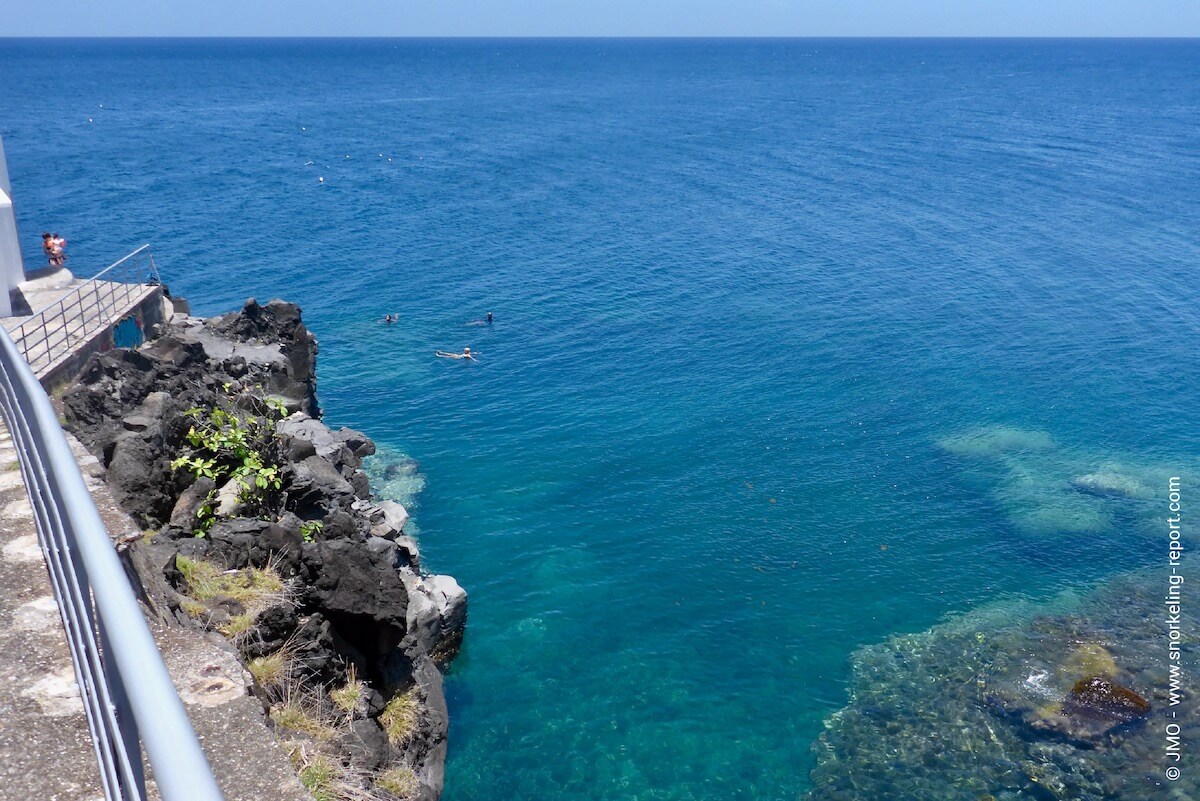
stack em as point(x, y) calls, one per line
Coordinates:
point(20, 306)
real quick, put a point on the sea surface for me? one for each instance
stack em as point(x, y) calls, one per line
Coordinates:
point(799, 345)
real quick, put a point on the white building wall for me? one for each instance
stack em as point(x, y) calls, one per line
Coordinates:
point(5, 186)
point(12, 272)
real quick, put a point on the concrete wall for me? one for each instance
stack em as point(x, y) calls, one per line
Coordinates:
point(5, 184)
point(12, 272)
point(152, 311)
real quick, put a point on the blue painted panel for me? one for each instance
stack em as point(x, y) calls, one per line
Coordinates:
point(128, 333)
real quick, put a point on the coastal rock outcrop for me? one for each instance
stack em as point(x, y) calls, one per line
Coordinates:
point(261, 524)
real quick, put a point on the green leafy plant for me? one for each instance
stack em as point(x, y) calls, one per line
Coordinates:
point(206, 515)
point(310, 530)
point(229, 444)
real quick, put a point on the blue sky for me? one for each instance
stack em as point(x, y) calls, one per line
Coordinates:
point(600, 18)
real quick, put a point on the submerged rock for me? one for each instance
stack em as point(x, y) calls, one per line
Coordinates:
point(1089, 659)
point(1046, 488)
point(1104, 703)
point(1108, 484)
point(1092, 710)
point(396, 476)
point(995, 440)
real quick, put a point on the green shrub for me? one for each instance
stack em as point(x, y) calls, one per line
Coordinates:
point(226, 444)
point(310, 530)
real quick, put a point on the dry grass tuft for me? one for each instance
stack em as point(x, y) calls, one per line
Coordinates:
point(193, 608)
point(328, 778)
point(277, 674)
point(319, 777)
point(399, 717)
point(272, 672)
point(250, 586)
point(346, 697)
point(303, 718)
point(238, 625)
point(399, 781)
point(256, 589)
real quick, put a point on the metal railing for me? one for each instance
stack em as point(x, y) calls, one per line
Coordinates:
point(57, 329)
point(127, 693)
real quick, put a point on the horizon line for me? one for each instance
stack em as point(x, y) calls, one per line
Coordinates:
point(611, 37)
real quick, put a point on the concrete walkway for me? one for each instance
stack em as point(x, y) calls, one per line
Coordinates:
point(45, 750)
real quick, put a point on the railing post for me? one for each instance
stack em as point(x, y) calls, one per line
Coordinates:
point(127, 728)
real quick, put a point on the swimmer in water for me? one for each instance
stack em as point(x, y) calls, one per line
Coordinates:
point(486, 321)
point(466, 354)
point(391, 318)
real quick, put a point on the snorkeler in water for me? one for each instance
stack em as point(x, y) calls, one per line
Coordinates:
point(466, 354)
point(486, 321)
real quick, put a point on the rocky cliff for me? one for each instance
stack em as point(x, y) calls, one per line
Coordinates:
point(259, 524)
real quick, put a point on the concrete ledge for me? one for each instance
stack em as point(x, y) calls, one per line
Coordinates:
point(150, 310)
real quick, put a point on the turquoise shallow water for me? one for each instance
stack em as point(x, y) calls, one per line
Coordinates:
point(762, 309)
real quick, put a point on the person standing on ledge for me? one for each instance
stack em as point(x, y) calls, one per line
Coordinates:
point(57, 244)
point(48, 247)
point(466, 354)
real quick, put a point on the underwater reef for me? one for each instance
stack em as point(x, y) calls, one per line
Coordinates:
point(1071, 699)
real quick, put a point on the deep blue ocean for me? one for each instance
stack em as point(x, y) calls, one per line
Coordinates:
point(798, 345)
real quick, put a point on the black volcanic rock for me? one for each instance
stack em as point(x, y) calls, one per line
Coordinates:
point(343, 576)
point(355, 603)
point(140, 473)
point(367, 744)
